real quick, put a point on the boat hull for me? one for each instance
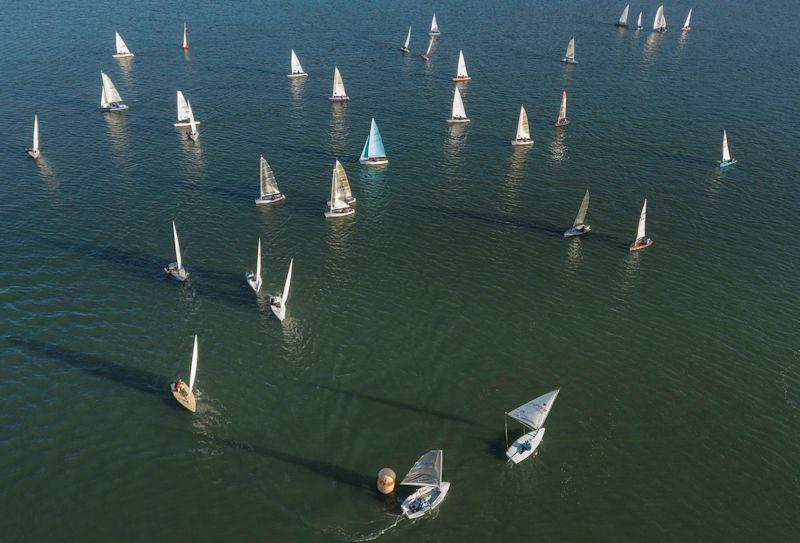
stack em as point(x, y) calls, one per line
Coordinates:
point(638, 245)
point(568, 61)
point(120, 107)
point(337, 99)
point(350, 200)
point(404, 50)
point(461, 79)
point(686, 29)
point(723, 164)
point(297, 76)
point(271, 199)
point(277, 307)
point(185, 397)
point(575, 231)
point(522, 142)
point(565, 122)
point(123, 55)
point(525, 446)
point(434, 34)
point(339, 213)
point(250, 279)
point(33, 153)
point(432, 496)
point(178, 273)
point(182, 124)
point(425, 58)
point(458, 121)
point(379, 161)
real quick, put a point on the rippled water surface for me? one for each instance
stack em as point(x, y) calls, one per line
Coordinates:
point(450, 297)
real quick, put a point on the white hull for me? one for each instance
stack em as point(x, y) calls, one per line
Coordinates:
point(339, 213)
point(568, 61)
point(335, 99)
point(251, 280)
point(185, 397)
point(522, 142)
point(270, 199)
point(178, 273)
point(120, 107)
point(123, 55)
point(575, 231)
point(181, 124)
point(350, 200)
point(277, 307)
point(33, 153)
point(458, 121)
point(565, 122)
point(434, 34)
point(431, 496)
point(374, 162)
point(297, 76)
point(525, 446)
point(461, 79)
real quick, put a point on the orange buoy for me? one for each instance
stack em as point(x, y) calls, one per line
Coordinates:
point(386, 478)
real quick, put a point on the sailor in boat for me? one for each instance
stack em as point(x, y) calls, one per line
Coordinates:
point(276, 302)
point(181, 388)
point(642, 242)
point(418, 505)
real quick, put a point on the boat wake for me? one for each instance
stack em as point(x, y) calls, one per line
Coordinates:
point(373, 535)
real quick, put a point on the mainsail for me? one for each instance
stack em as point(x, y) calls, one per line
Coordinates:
point(581, 217)
point(571, 49)
point(688, 19)
point(427, 471)
point(185, 42)
point(660, 23)
point(523, 130)
point(183, 108)
point(109, 93)
point(458, 106)
point(623, 19)
point(177, 246)
point(338, 84)
point(122, 49)
point(408, 39)
point(726, 154)
point(639, 21)
point(534, 413)
point(430, 45)
point(340, 187)
point(462, 67)
point(562, 112)
point(192, 123)
point(376, 149)
point(434, 25)
point(296, 67)
point(268, 183)
point(287, 284)
point(35, 133)
point(193, 372)
point(258, 266)
point(642, 218)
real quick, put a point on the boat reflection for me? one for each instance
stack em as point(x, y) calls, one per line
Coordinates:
point(574, 253)
point(126, 68)
point(116, 130)
point(340, 232)
point(191, 155)
point(297, 86)
point(46, 173)
point(338, 129)
point(517, 162)
point(455, 140)
point(650, 46)
point(558, 145)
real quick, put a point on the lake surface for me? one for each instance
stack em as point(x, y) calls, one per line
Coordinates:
point(450, 297)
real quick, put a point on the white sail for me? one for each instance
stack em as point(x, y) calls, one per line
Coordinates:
point(562, 112)
point(109, 94)
point(343, 181)
point(434, 25)
point(408, 39)
point(461, 72)
point(570, 49)
point(193, 371)
point(523, 130)
point(642, 218)
point(726, 154)
point(427, 471)
point(639, 21)
point(122, 49)
point(340, 187)
point(268, 183)
point(177, 246)
point(458, 106)
point(660, 23)
point(430, 45)
point(581, 217)
point(296, 67)
point(287, 284)
point(185, 42)
point(623, 19)
point(183, 108)
point(258, 266)
point(192, 123)
point(35, 133)
point(338, 84)
point(534, 413)
point(688, 19)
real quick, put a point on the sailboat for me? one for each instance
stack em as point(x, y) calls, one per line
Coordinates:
point(523, 130)
point(193, 133)
point(373, 153)
point(458, 115)
point(532, 415)
point(183, 111)
point(426, 473)
point(254, 279)
point(339, 94)
point(579, 227)
point(33, 151)
point(426, 56)
point(569, 58)
point(405, 48)
point(278, 303)
point(727, 160)
point(642, 241)
point(176, 269)
point(687, 25)
point(338, 205)
point(183, 393)
point(562, 112)
point(110, 100)
point(434, 27)
point(660, 23)
point(297, 69)
point(268, 185)
point(185, 41)
point(639, 21)
point(461, 71)
point(122, 49)
point(623, 19)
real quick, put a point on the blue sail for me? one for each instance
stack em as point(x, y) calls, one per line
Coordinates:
point(375, 142)
point(364, 155)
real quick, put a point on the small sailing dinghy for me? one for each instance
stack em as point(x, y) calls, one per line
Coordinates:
point(727, 160)
point(623, 19)
point(426, 56)
point(176, 269)
point(338, 205)
point(193, 133)
point(642, 241)
point(297, 69)
point(532, 415)
point(339, 94)
point(33, 151)
point(110, 100)
point(254, 278)
point(639, 21)
point(458, 114)
point(569, 58)
point(185, 41)
point(405, 48)
point(183, 111)
point(426, 474)
point(579, 227)
point(687, 25)
point(523, 129)
point(183, 393)
point(660, 23)
point(373, 153)
point(122, 49)
point(434, 27)
point(461, 71)
point(562, 120)
point(268, 185)
point(278, 303)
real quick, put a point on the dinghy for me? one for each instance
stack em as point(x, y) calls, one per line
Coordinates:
point(176, 268)
point(579, 227)
point(278, 303)
point(434, 27)
point(297, 69)
point(458, 115)
point(183, 111)
point(623, 19)
point(660, 23)
point(268, 185)
point(338, 205)
point(532, 416)
point(254, 278)
point(185, 41)
point(687, 25)
point(426, 55)
point(461, 71)
point(183, 393)
point(427, 475)
point(569, 58)
point(110, 100)
point(562, 120)
point(122, 49)
point(639, 21)
point(727, 160)
point(33, 151)
point(193, 133)
point(523, 130)
point(642, 241)
point(405, 48)
point(373, 153)
point(339, 94)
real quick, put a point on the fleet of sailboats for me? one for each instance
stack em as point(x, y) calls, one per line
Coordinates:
point(373, 153)
point(33, 150)
point(254, 278)
point(122, 49)
point(434, 27)
point(461, 71)
point(562, 120)
point(406, 43)
point(268, 186)
point(727, 160)
point(458, 114)
point(183, 111)
point(660, 23)
point(569, 57)
point(642, 241)
point(687, 26)
point(579, 227)
point(297, 69)
point(338, 94)
point(185, 40)
point(532, 416)
point(623, 19)
point(523, 136)
point(110, 100)
point(341, 197)
point(426, 473)
point(277, 303)
point(185, 393)
point(176, 269)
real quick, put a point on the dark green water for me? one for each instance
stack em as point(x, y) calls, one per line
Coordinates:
point(449, 298)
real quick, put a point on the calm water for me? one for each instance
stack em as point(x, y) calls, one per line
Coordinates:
point(450, 297)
